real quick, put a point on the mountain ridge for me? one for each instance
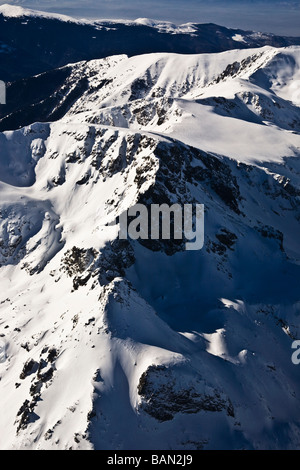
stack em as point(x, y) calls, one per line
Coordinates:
point(41, 42)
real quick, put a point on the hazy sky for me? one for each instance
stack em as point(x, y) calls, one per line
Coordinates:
point(276, 16)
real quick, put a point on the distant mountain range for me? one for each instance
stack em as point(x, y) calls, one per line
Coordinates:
point(35, 42)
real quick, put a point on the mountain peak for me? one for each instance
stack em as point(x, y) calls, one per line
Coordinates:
point(13, 10)
point(16, 11)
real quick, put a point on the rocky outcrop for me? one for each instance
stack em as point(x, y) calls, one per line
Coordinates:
point(163, 395)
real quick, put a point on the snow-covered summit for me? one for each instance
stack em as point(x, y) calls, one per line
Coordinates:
point(251, 94)
point(17, 11)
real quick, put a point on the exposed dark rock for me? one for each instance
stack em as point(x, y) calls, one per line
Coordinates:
point(52, 355)
point(271, 233)
point(84, 180)
point(163, 397)
point(91, 320)
point(35, 388)
point(29, 368)
point(81, 281)
point(114, 259)
point(47, 375)
point(26, 414)
point(227, 238)
point(77, 260)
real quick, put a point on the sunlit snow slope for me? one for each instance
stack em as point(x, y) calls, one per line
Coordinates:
point(113, 344)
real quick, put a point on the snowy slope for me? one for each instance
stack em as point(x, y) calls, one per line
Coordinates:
point(110, 344)
point(250, 94)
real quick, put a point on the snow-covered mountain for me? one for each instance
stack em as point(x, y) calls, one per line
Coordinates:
point(33, 42)
point(115, 344)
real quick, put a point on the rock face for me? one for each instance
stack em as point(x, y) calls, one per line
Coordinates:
point(134, 344)
point(163, 397)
